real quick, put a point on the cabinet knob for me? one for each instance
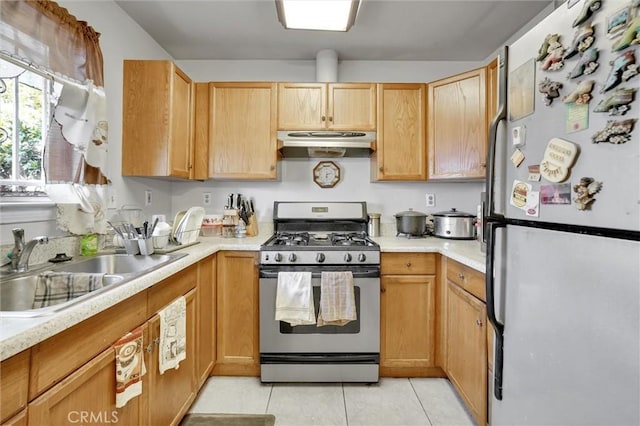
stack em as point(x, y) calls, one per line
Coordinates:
point(483, 165)
point(381, 169)
point(408, 264)
point(272, 167)
point(330, 118)
point(323, 118)
point(149, 348)
point(461, 276)
point(479, 323)
point(382, 289)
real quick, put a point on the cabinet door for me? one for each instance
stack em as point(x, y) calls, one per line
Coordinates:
point(238, 336)
point(157, 116)
point(351, 106)
point(457, 126)
point(171, 393)
point(492, 91)
point(205, 325)
point(243, 131)
point(467, 349)
point(182, 106)
point(401, 145)
point(302, 106)
point(407, 322)
point(88, 396)
point(14, 384)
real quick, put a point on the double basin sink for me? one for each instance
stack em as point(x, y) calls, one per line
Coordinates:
point(17, 290)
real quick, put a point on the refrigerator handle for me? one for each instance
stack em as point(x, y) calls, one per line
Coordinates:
point(491, 308)
point(501, 114)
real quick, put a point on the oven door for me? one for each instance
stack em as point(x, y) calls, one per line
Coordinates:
point(356, 337)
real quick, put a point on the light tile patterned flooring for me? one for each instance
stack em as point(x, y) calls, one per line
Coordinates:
point(391, 402)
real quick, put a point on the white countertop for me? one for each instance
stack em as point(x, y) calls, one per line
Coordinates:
point(17, 334)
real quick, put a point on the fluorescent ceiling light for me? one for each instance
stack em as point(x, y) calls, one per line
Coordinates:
point(325, 15)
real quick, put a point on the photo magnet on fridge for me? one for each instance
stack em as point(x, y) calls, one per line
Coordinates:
point(555, 194)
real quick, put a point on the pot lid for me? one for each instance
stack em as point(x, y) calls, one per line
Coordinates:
point(410, 212)
point(453, 213)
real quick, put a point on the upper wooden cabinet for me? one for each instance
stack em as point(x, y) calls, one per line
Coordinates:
point(401, 136)
point(492, 91)
point(157, 120)
point(242, 131)
point(327, 106)
point(457, 126)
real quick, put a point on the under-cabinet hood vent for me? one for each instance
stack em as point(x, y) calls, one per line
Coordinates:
point(325, 144)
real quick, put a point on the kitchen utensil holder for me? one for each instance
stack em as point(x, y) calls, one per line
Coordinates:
point(252, 226)
point(146, 246)
point(131, 246)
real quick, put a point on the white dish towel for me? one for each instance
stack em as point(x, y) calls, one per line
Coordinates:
point(337, 299)
point(173, 334)
point(294, 298)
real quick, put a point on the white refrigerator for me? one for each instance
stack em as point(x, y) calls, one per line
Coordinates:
point(562, 221)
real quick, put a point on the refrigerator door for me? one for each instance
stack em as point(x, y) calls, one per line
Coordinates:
point(570, 304)
point(615, 165)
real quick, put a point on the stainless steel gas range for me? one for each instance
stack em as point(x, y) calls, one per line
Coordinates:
point(317, 237)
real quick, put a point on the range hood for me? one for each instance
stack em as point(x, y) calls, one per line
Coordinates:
point(325, 144)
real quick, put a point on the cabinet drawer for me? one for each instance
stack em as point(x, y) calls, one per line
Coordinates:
point(14, 381)
point(467, 278)
point(408, 264)
point(166, 291)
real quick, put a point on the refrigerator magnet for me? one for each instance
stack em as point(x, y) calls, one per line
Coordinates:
point(616, 132)
point(550, 90)
point(517, 157)
point(519, 193)
point(558, 159)
point(577, 117)
point(555, 194)
point(534, 173)
point(533, 203)
point(585, 191)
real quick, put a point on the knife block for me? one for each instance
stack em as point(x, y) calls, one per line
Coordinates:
point(252, 226)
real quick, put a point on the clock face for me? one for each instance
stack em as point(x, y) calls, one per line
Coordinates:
point(326, 174)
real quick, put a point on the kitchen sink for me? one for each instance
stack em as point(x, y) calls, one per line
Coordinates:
point(17, 291)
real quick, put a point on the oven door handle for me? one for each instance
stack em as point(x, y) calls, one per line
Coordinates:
point(368, 273)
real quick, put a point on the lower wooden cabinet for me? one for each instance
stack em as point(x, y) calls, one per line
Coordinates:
point(14, 384)
point(88, 396)
point(206, 319)
point(467, 349)
point(237, 313)
point(19, 419)
point(408, 315)
point(170, 394)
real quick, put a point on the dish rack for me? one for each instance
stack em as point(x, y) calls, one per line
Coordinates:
point(182, 237)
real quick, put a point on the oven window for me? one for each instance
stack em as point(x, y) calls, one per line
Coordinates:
point(351, 328)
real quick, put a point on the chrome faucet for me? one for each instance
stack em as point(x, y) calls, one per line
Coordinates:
point(21, 251)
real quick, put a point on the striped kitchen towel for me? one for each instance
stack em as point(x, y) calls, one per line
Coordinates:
point(53, 288)
point(337, 298)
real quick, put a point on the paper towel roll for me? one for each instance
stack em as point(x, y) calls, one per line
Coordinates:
point(327, 66)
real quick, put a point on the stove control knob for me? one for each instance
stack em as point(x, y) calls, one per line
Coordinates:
point(362, 257)
point(292, 257)
point(277, 257)
point(347, 257)
point(320, 257)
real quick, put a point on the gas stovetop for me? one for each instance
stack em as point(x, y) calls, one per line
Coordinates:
point(315, 233)
point(333, 240)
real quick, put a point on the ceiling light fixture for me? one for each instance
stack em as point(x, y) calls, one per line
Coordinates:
point(324, 15)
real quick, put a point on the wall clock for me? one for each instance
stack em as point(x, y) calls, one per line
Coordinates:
point(326, 174)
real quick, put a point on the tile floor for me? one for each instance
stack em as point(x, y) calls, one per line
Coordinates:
point(391, 402)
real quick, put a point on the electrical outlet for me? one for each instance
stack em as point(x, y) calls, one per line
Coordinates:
point(111, 198)
point(206, 198)
point(431, 200)
point(147, 197)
